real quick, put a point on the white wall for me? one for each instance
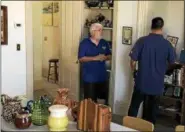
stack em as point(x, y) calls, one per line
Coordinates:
point(127, 16)
point(14, 62)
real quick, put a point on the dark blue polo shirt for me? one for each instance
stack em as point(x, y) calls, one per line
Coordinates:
point(153, 54)
point(93, 71)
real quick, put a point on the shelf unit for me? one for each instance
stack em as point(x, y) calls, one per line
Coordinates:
point(180, 114)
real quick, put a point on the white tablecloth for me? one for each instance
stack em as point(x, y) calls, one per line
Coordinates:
point(71, 127)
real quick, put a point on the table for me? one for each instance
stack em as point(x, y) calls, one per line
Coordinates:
point(71, 127)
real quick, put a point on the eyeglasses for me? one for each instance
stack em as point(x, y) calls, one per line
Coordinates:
point(98, 30)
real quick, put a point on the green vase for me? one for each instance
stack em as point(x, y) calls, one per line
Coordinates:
point(40, 113)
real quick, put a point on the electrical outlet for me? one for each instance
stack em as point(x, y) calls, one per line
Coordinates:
point(18, 47)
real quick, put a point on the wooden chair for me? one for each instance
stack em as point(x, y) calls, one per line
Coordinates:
point(180, 128)
point(138, 124)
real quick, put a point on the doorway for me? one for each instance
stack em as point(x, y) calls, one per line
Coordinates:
point(45, 48)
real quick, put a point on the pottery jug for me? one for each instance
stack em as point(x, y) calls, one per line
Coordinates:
point(62, 97)
point(58, 119)
point(22, 120)
point(39, 112)
point(9, 109)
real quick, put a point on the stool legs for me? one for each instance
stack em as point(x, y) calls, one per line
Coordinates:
point(49, 70)
point(56, 73)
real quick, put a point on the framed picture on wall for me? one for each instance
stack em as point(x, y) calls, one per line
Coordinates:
point(56, 13)
point(127, 35)
point(47, 11)
point(4, 25)
point(173, 40)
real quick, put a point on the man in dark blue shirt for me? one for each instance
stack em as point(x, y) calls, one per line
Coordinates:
point(93, 52)
point(153, 54)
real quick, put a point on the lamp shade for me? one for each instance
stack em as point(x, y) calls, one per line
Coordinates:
point(182, 56)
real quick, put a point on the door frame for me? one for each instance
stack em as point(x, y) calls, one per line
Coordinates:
point(29, 49)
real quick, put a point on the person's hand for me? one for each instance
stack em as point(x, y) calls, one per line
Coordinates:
point(100, 57)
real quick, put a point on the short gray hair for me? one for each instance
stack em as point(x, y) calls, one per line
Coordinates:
point(94, 27)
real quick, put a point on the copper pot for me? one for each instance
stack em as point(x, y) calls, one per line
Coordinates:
point(22, 120)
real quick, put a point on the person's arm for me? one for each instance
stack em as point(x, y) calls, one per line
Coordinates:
point(135, 54)
point(108, 55)
point(133, 65)
point(87, 59)
point(82, 54)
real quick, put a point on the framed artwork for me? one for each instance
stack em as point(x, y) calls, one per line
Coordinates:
point(4, 25)
point(173, 40)
point(47, 11)
point(127, 35)
point(55, 13)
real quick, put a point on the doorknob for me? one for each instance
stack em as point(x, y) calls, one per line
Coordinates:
point(77, 62)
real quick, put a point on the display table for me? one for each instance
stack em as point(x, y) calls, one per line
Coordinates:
point(71, 127)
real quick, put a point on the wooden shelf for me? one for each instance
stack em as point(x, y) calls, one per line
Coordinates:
point(100, 8)
point(170, 112)
point(104, 28)
point(171, 98)
point(172, 85)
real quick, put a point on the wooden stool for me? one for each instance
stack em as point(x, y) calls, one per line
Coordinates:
point(55, 66)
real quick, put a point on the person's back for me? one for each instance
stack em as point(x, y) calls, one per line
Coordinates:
point(153, 54)
point(153, 61)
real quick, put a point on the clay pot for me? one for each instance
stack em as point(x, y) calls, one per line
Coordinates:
point(22, 120)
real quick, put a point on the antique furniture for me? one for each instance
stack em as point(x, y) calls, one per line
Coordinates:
point(172, 103)
point(58, 119)
point(71, 127)
point(53, 63)
point(179, 128)
point(93, 117)
point(138, 124)
point(22, 120)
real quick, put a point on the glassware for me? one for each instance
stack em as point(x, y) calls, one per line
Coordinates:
point(39, 112)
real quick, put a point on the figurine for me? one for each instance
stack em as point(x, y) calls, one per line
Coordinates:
point(100, 18)
point(87, 23)
point(62, 97)
point(110, 3)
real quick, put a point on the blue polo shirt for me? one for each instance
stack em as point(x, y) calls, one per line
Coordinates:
point(153, 54)
point(93, 71)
